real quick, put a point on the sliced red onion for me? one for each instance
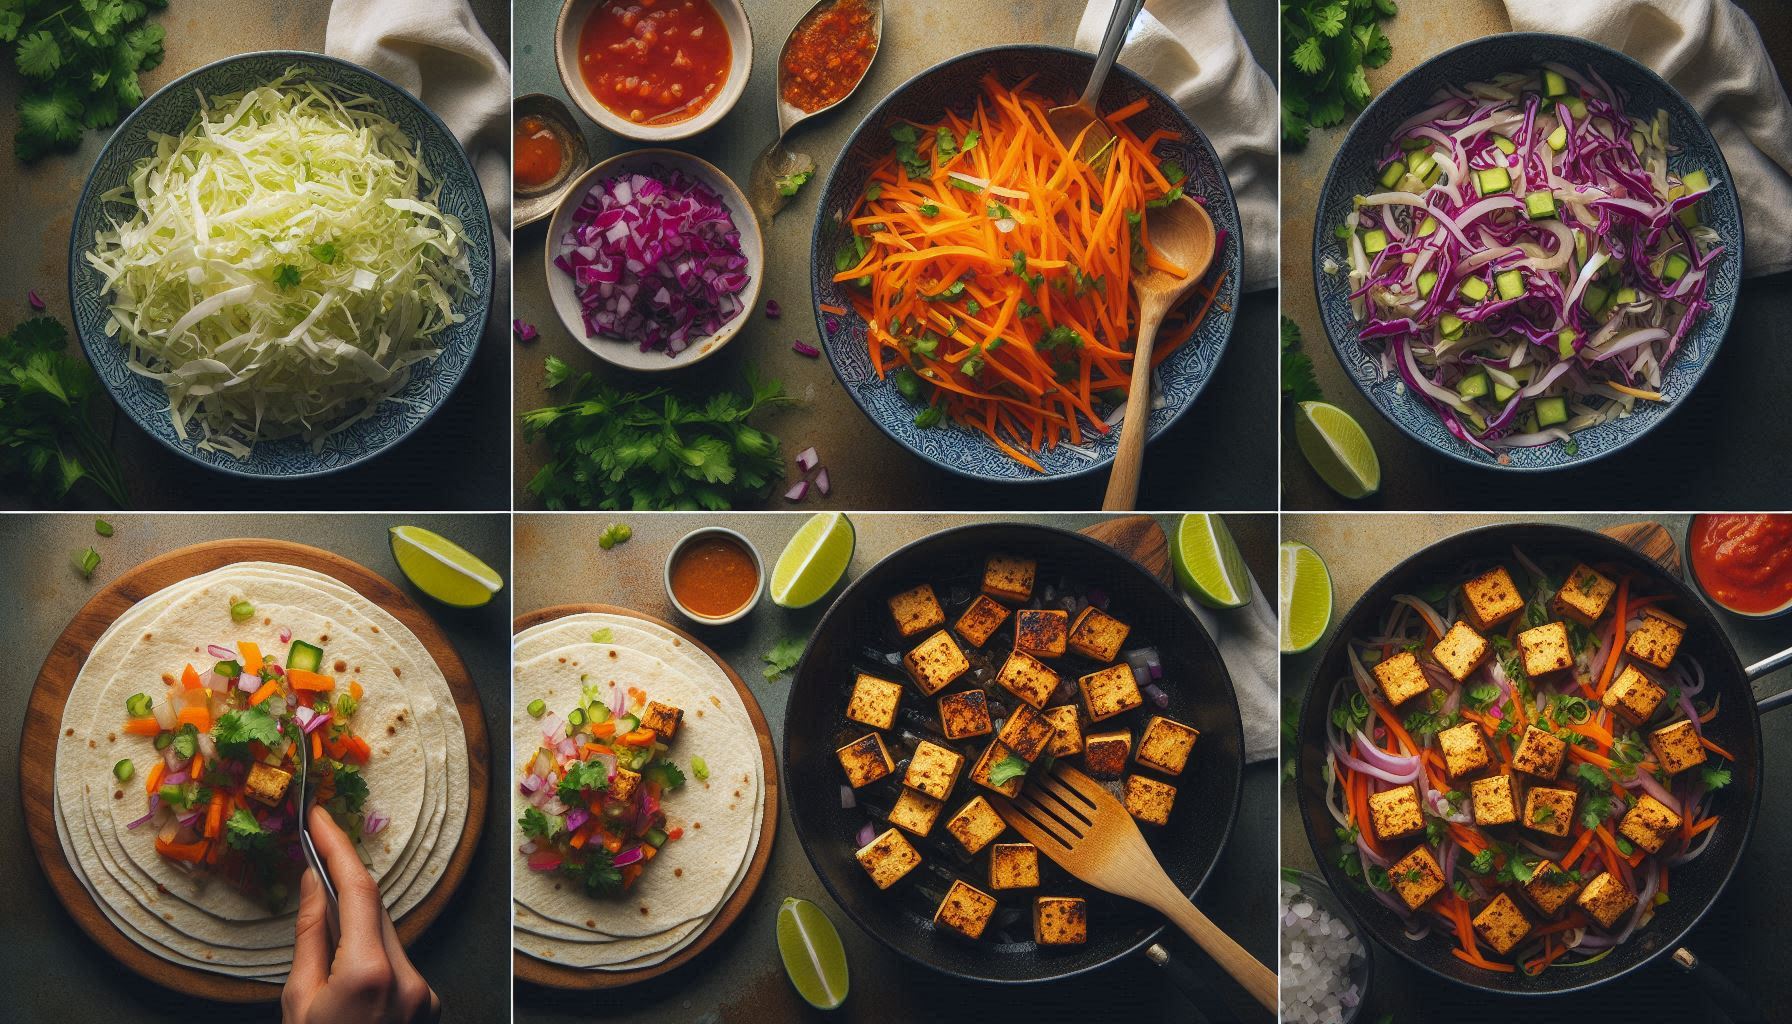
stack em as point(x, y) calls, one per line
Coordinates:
point(544, 860)
point(143, 820)
point(304, 715)
point(1157, 696)
point(821, 481)
point(550, 727)
point(797, 491)
point(629, 856)
point(576, 818)
point(220, 653)
point(35, 300)
point(172, 759)
point(803, 348)
point(525, 331)
point(848, 799)
point(187, 820)
point(248, 683)
point(867, 832)
point(285, 635)
point(808, 459)
point(530, 783)
point(317, 723)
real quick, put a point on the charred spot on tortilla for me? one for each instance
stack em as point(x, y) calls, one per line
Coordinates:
point(590, 923)
point(677, 872)
point(396, 672)
point(148, 636)
point(118, 795)
point(341, 666)
point(70, 732)
point(376, 629)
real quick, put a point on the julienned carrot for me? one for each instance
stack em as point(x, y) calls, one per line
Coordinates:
point(198, 716)
point(303, 680)
point(1580, 846)
point(1001, 275)
point(1715, 749)
point(154, 782)
point(267, 690)
point(141, 727)
point(251, 653)
point(1387, 717)
point(1617, 651)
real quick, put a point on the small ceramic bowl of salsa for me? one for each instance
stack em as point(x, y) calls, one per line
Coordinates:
point(714, 576)
point(1743, 562)
point(654, 70)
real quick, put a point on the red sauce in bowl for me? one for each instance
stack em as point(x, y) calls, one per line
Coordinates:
point(1744, 562)
point(827, 55)
point(655, 61)
point(714, 576)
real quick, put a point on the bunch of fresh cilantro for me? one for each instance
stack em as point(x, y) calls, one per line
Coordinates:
point(1298, 381)
point(1326, 45)
point(653, 450)
point(46, 435)
point(80, 60)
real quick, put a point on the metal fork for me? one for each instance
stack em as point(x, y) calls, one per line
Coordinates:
point(1076, 822)
point(316, 862)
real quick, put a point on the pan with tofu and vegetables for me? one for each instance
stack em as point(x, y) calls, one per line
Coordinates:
point(1530, 759)
point(944, 676)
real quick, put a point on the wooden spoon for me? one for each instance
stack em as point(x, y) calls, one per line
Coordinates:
point(1076, 822)
point(1069, 121)
point(1184, 234)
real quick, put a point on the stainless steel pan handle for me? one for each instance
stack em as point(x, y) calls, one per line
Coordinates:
point(1767, 666)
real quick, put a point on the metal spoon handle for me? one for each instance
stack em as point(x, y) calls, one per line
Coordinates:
point(1111, 40)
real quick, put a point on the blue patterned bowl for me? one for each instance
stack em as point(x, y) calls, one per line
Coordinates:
point(168, 112)
point(1353, 173)
point(1055, 71)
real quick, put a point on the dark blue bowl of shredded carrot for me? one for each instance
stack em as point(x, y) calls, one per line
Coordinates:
point(986, 364)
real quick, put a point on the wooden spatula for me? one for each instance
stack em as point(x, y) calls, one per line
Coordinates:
point(1081, 826)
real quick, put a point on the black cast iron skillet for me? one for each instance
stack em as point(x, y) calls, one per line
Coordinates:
point(1195, 679)
point(1737, 728)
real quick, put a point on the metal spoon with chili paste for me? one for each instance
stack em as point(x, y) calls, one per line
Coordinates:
point(822, 63)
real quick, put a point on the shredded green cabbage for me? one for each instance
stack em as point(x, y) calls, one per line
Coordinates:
point(284, 267)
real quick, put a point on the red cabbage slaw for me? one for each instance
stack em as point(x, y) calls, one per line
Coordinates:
point(1532, 262)
point(1358, 738)
point(654, 260)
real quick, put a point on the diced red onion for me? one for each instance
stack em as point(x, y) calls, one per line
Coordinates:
point(304, 715)
point(848, 799)
point(525, 331)
point(1157, 696)
point(527, 848)
point(285, 635)
point(772, 309)
point(317, 723)
point(554, 806)
point(797, 491)
point(550, 727)
point(170, 758)
point(576, 818)
point(164, 713)
point(807, 459)
point(803, 348)
point(567, 747)
point(629, 856)
point(248, 683)
point(207, 746)
point(821, 481)
point(221, 653)
point(530, 783)
point(867, 832)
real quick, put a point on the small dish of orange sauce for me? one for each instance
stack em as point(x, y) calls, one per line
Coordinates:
point(714, 576)
point(537, 153)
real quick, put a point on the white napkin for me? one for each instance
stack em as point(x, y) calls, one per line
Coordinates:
point(1712, 53)
point(1192, 50)
point(1248, 644)
point(435, 49)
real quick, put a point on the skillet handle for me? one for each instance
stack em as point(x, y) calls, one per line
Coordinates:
point(1732, 1003)
point(1766, 666)
point(1186, 981)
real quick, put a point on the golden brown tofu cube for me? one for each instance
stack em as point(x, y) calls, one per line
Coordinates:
point(1148, 800)
point(933, 770)
point(1539, 753)
point(965, 714)
point(993, 755)
point(1548, 810)
point(1416, 877)
point(1633, 695)
point(1461, 651)
point(1097, 635)
point(1491, 598)
point(1677, 747)
point(874, 701)
point(1501, 924)
point(1014, 866)
point(1026, 732)
point(1028, 678)
point(917, 611)
point(1009, 578)
point(1493, 800)
point(1656, 639)
point(1545, 649)
point(1396, 813)
point(1400, 677)
point(936, 664)
point(1105, 753)
point(1042, 632)
point(1606, 899)
point(663, 719)
point(976, 825)
point(915, 811)
point(1166, 745)
point(1060, 921)
point(624, 783)
point(1584, 596)
point(981, 620)
point(1648, 823)
point(1550, 887)
point(887, 858)
point(965, 910)
point(1112, 691)
point(1465, 749)
point(1067, 734)
point(865, 760)
point(267, 783)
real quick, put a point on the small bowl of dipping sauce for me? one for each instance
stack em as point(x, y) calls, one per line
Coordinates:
point(714, 576)
point(1743, 563)
point(654, 70)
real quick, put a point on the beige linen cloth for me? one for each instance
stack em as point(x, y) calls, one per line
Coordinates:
point(1712, 53)
point(1192, 50)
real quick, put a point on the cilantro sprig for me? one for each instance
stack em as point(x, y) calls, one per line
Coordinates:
point(1298, 382)
point(1326, 47)
point(47, 435)
point(79, 62)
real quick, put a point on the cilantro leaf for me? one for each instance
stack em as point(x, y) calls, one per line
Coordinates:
point(784, 655)
point(351, 788)
point(581, 776)
point(1298, 381)
point(243, 832)
point(596, 872)
point(1308, 56)
point(789, 184)
point(79, 62)
point(667, 774)
point(235, 730)
point(538, 825)
point(39, 55)
point(287, 276)
point(1714, 777)
point(1006, 770)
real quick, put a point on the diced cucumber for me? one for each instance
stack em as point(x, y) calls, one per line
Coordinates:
point(1395, 171)
point(1580, 247)
point(304, 656)
point(1374, 241)
point(1421, 164)
point(1696, 180)
point(1527, 421)
point(1636, 142)
point(627, 724)
point(1341, 232)
point(1576, 106)
point(1502, 393)
point(1408, 145)
point(1432, 175)
point(1450, 326)
point(1565, 342)
point(1551, 411)
point(1558, 139)
point(1475, 385)
point(1493, 180)
point(1554, 84)
point(1510, 283)
point(1427, 281)
point(1675, 268)
point(1626, 296)
point(1428, 225)
point(1474, 289)
point(1476, 420)
point(598, 713)
point(1594, 299)
point(1540, 205)
point(1524, 373)
point(1506, 146)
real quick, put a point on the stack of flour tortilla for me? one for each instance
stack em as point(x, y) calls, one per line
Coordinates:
point(685, 886)
point(417, 774)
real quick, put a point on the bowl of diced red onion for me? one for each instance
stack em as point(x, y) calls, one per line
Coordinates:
point(1325, 964)
point(654, 260)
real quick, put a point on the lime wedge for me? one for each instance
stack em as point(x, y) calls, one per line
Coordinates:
point(1304, 593)
point(813, 561)
point(813, 957)
point(1337, 448)
point(443, 569)
point(1207, 562)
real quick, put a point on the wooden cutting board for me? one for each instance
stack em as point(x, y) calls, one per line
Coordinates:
point(540, 972)
point(43, 716)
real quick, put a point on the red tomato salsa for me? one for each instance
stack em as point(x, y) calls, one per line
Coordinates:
point(655, 61)
point(1743, 561)
point(537, 152)
point(827, 54)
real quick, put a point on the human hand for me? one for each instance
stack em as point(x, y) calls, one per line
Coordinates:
point(366, 977)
